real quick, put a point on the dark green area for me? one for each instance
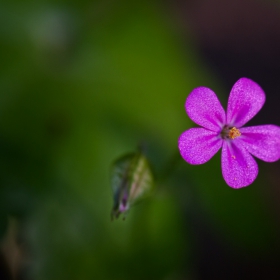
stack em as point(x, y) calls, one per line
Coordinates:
point(82, 83)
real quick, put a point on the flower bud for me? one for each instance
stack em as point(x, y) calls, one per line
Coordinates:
point(132, 180)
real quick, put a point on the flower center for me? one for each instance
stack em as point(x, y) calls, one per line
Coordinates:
point(230, 132)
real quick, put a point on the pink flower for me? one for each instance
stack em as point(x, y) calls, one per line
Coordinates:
point(226, 131)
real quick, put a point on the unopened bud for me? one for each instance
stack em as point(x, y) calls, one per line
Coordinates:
point(132, 180)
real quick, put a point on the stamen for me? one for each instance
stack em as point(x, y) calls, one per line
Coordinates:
point(234, 132)
point(230, 132)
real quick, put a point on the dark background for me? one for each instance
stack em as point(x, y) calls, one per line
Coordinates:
point(84, 82)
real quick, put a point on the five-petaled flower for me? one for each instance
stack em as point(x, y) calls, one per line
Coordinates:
point(226, 131)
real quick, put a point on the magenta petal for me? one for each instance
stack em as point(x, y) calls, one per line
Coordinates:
point(198, 145)
point(262, 141)
point(245, 100)
point(239, 168)
point(204, 108)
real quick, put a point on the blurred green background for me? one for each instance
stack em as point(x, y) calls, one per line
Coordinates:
point(84, 82)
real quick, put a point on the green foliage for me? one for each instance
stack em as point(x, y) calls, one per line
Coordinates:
point(81, 83)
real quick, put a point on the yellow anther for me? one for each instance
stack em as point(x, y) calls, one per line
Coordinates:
point(234, 132)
